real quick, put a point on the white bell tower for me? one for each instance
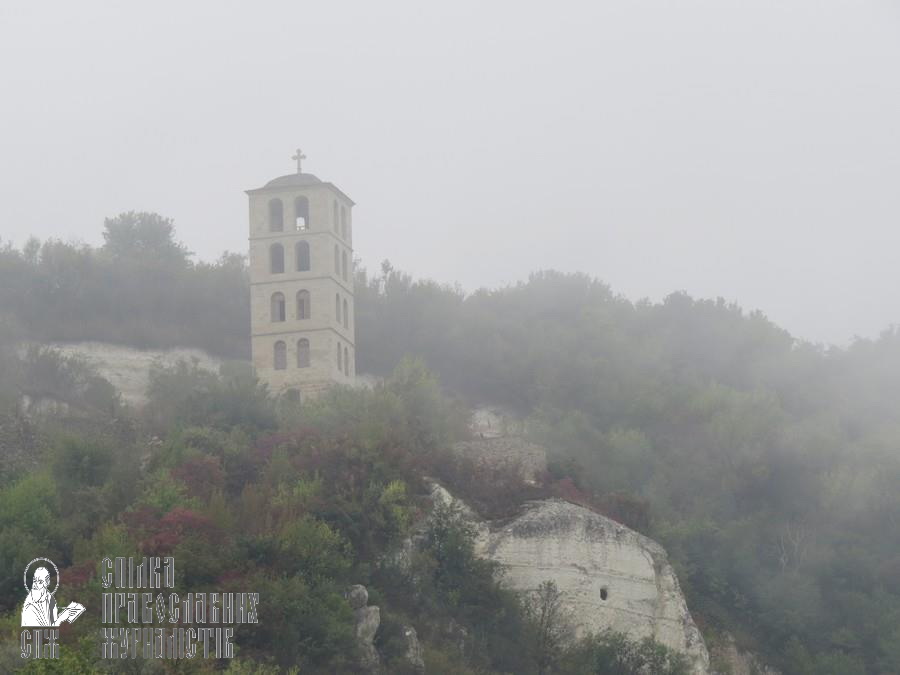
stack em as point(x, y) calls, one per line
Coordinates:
point(301, 284)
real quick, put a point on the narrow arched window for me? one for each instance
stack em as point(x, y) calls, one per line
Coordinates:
point(344, 221)
point(301, 213)
point(335, 216)
point(344, 265)
point(276, 215)
point(301, 254)
point(280, 355)
point(346, 362)
point(276, 258)
point(339, 353)
point(303, 304)
point(277, 307)
point(337, 261)
point(346, 315)
point(337, 308)
point(303, 353)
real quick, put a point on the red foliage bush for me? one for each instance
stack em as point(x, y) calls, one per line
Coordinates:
point(565, 488)
point(201, 475)
point(159, 536)
point(493, 490)
point(79, 575)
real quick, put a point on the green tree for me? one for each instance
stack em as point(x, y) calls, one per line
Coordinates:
point(549, 626)
point(138, 236)
point(614, 653)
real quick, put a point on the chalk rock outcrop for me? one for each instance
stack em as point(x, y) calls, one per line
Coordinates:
point(609, 575)
point(495, 422)
point(367, 620)
point(415, 655)
point(39, 406)
point(513, 452)
point(128, 369)
point(498, 441)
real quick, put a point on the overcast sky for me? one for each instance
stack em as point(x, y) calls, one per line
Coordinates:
point(744, 149)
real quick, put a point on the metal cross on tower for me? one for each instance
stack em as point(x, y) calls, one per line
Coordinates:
point(299, 156)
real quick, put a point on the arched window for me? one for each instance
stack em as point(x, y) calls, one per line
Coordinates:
point(337, 261)
point(276, 215)
point(344, 221)
point(303, 304)
point(303, 353)
point(346, 362)
point(276, 258)
point(280, 355)
point(344, 265)
point(346, 315)
point(340, 362)
point(335, 216)
point(301, 213)
point(301, 254)
point(277, 307)
point(337, 308)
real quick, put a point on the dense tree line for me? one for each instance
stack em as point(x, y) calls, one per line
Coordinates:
point(140, 288)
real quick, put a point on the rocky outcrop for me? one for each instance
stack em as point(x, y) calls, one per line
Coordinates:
point(494, 422)
point(367, 620)
point(43, 406)
point(610, 576)
point(513, 452)
point(498, 441)
point(414, 655)
point(127, 369)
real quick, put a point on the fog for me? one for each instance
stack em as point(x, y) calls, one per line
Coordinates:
point(748, 150)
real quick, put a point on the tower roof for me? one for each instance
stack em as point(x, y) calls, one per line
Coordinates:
point(293, 180)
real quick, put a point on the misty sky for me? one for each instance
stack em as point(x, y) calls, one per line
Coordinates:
point(749, 150)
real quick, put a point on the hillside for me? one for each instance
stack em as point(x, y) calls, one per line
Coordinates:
point(767, 467)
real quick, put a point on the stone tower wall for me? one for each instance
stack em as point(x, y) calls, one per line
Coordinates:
point(324, 327)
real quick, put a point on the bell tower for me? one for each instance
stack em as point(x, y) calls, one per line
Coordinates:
point(301, 284)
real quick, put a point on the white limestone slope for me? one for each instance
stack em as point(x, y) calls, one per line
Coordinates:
point(127, 368)
point(610, 576)
point(589, 556)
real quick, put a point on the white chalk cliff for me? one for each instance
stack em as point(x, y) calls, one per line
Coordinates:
point(610, 576)
point(127, 368)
